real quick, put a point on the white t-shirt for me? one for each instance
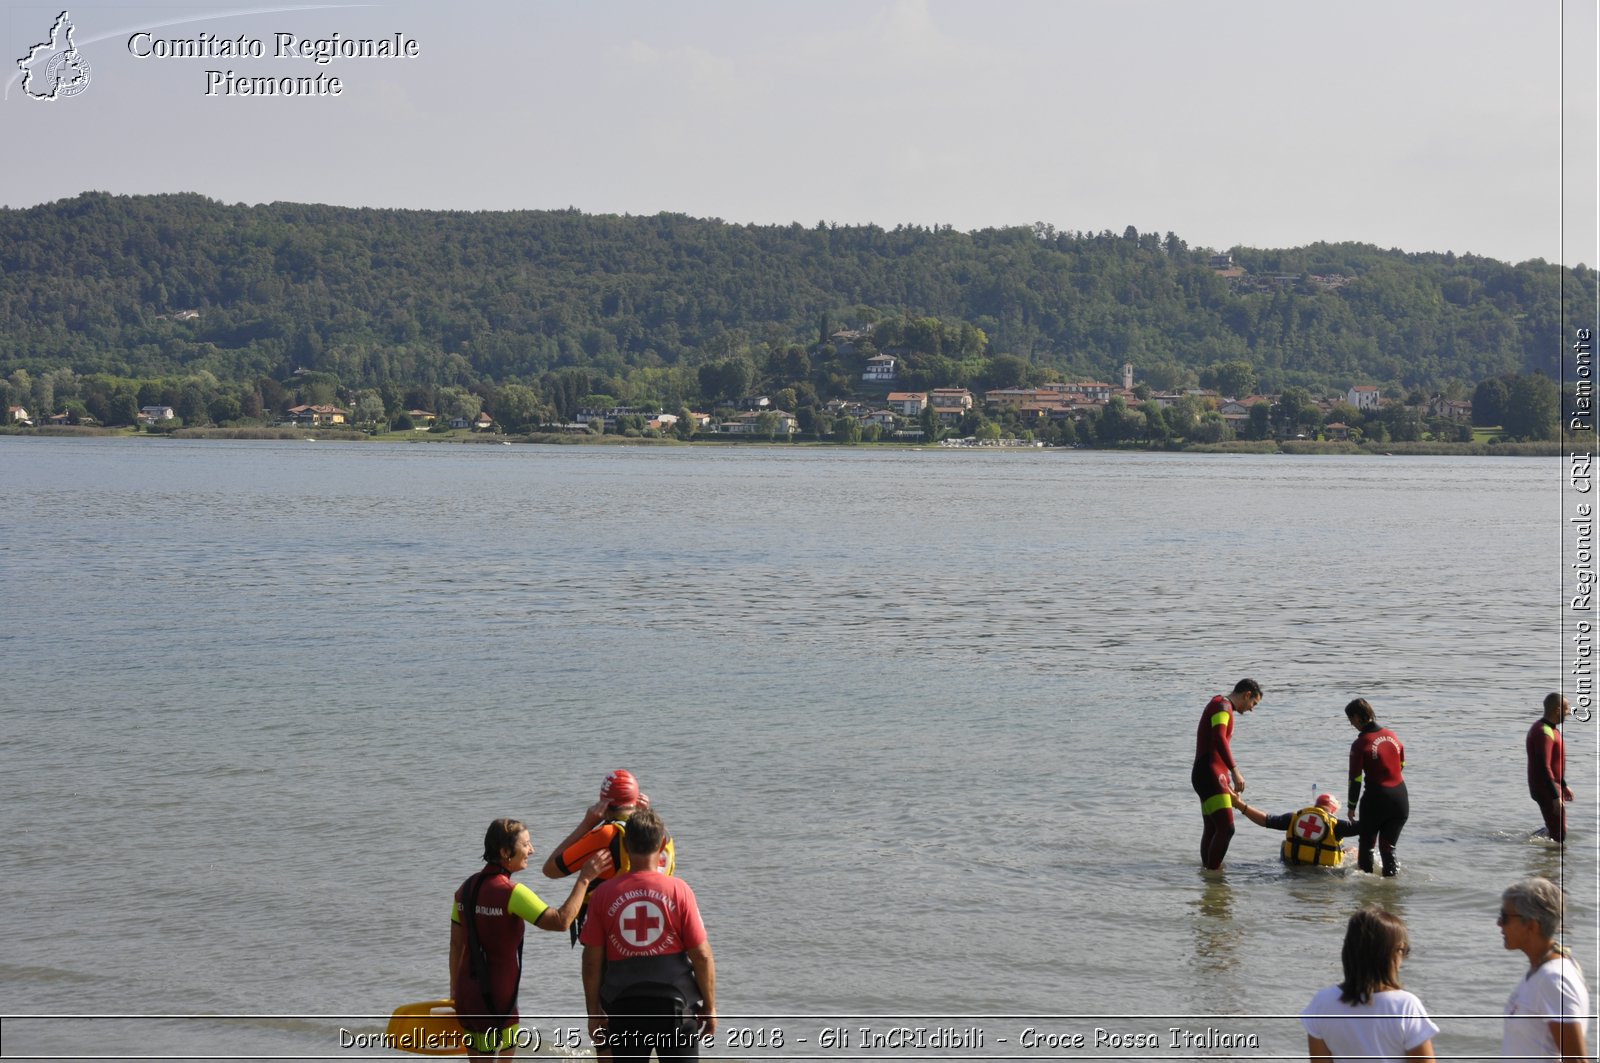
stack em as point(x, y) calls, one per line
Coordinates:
point(1553, 993)
point(1384, 1028)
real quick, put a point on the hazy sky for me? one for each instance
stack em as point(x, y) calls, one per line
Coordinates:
point(1427, 125)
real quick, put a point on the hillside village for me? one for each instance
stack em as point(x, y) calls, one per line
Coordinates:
point(1055, 412)
point(1019, 412)
point(1063, 412)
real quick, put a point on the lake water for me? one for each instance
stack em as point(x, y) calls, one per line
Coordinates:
point(921, 723)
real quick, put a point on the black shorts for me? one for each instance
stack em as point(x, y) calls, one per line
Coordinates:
point(637, 1026)
point(1384, 811)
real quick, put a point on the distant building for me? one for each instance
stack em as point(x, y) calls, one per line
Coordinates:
point(908, 403)
point(318, 415)
point(950, 405)
point(1364, 397)
point(749, 423)
point(608, 418)
point(880, 369)
point(1089, 389)
point(1231, 406)
point(18, 415)
point(1039, 411)
point(1222, 261)
point(154, 414)
point(1010, 398)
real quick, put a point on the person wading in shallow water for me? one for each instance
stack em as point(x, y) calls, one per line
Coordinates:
point(1311, 835)
point(1215, 776)
point(1377, 759)
point(1547, 766)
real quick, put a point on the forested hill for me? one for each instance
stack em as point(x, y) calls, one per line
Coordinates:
point(108, 284)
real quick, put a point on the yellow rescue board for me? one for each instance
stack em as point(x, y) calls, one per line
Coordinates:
point(429, 1028)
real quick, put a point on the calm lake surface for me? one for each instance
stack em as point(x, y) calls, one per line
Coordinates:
point(921, 723)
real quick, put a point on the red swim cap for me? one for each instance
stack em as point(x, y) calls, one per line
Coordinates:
point(620, 788)
point(1329, 802)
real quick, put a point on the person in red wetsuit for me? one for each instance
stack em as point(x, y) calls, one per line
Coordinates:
point(486, 927)
point(1377, 760)
point(1547, 766)
point(1215, 776)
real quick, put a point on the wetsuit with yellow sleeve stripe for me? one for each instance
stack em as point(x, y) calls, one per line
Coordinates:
point(1212, 779)
point(1547, 776)
point(1212, 775)
point(500, 915)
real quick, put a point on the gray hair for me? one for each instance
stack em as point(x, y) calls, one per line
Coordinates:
point(1539, 901)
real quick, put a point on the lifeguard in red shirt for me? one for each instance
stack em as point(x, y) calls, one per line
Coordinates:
point(1215, 776)
point(1547, 766)
point(648, 977)
point(1377, 760)
point(486, 928)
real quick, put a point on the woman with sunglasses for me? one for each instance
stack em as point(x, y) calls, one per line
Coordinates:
point(1547, 1012)
point(1368, 1016)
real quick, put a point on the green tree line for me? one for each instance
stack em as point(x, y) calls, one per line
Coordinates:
point(176, 292)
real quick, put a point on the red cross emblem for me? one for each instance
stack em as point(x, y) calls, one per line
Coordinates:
point(643, 924)
point(1310, 827)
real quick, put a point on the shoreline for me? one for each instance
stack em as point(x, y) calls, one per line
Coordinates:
point(1538, 449)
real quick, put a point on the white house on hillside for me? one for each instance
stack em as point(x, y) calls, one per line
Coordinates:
point(880, 369)
point(1363, 397)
